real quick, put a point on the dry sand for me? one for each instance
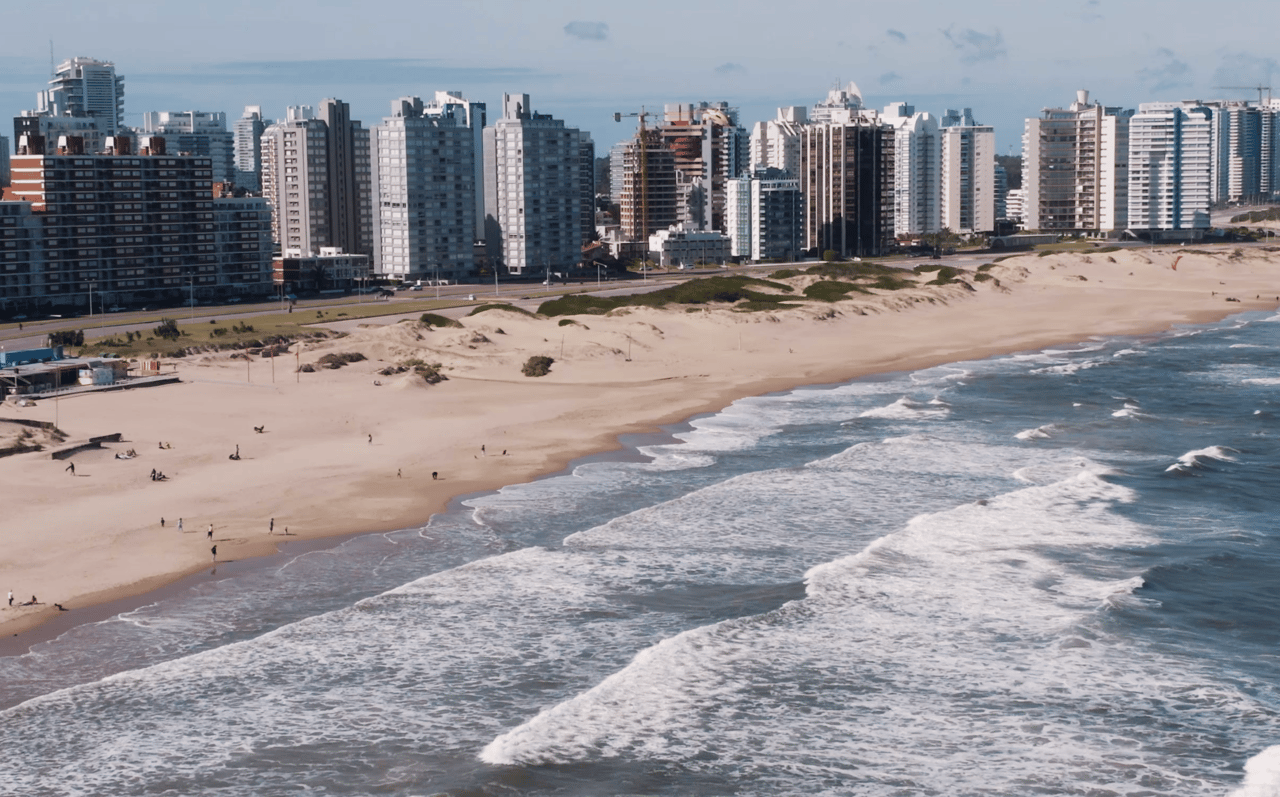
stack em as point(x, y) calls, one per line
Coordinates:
point(96, 536)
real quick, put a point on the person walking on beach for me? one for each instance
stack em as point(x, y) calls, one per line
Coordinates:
point(370, 439)
point(214, 551)
point(161, 522)
point(179, 524)
point(434, 475)
point(482, 450)
point(271, 527)
point(10, 597)
point(71, 467)
point(209, 536)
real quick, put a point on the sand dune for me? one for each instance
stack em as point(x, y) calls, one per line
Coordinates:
point(96, 535)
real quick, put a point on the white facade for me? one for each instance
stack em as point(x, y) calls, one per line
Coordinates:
point(1170, 166)
point(840, 105)
point(248, 148)
point(968, 191)
point(917, 176)
point(86, 87)
point(1015, 205)
point(1075, 168)
point(765, 216)
point(295, 169)
point(316, 176)
point(534, 189)
point(424, 193)
point(474, 117)
point(682, 247)
point(776, 144)
point(197, 133)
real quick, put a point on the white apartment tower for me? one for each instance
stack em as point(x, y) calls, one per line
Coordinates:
point(776, 144)
point(248, 148)
point(968, 187)
point(917, 178)
point(197, 133)
point(1170, 166)
point(474, 117)
point(315, 174)
point(424, 190)
point(1075, 168)
point(86, 87)
point(534, 189)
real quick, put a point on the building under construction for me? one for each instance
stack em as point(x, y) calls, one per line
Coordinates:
point(648, 187)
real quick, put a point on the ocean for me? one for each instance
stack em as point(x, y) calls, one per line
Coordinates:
point(1053, 572)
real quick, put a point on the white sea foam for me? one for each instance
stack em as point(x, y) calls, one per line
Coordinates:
point(1197, 458)
point(932, 636)
point(1261, 775)
point(906, 409)
point(1269, 381)
point(1038, 433)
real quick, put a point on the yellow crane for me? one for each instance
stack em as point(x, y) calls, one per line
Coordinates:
point(642, 115)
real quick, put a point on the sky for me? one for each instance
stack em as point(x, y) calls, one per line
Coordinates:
point(583, 61)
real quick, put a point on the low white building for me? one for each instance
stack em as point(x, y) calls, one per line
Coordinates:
point(682, 247)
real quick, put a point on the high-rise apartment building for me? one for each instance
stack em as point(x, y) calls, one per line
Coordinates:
point(776, 144)
point(1170, 166)
point(248, 148)
point(765, 216)
point(1246, 150)
point(196, 133)
point(129, 226)
point(968, 187)
point(85, 87)
point(535, 187)
point(847, 178)
point(474, 117)
point(424, 192)
point(648, 194)
point(709, 148)
point(917, 178)
point(316, 176)
point(1075, 168)
point(841, 104)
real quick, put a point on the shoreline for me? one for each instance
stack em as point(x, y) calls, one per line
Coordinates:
point(553, 454)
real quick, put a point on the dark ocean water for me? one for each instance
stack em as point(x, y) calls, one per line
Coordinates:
point(1056, 572)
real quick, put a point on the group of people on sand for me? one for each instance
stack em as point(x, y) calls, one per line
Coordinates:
point(158, 476)
point(34, 602)
point(130, 454)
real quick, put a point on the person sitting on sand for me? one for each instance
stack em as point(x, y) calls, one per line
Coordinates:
point(32, 602)
point(61, 608)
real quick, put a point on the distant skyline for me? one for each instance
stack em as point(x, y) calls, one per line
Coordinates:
point(582, 61)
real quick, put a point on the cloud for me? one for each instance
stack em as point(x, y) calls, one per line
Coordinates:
point(890, 77)
point(1092, 11)
point(1174, 73)
point(897, 34)
point(730, 68)
point(592, 31)
point(976, 46)
point(1243, 69)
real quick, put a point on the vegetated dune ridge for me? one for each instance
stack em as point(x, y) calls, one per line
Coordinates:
point(340, 454)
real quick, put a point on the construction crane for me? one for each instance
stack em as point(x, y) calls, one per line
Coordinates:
point(642, 115)
point(1258, 88)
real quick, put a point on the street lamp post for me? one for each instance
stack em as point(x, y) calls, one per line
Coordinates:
point(437, 282)
point(91, 284)
point(191, 284)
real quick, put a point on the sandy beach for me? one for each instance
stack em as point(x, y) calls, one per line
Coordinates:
point(340, 454)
